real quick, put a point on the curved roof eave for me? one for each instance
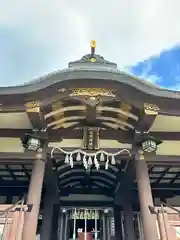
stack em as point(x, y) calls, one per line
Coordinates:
point(89, 73)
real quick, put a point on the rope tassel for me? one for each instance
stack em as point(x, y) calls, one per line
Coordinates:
point(87, 159)
point(66, 159)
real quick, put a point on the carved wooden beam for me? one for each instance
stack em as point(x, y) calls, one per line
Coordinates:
point(35, 115)
point(101, 191)
point(90, 114)
point(57, 134)
point(147, 117)
point(153, 159)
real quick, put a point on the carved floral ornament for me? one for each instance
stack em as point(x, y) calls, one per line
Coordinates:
point(151, 108)
point(31, 105)
point(92, 92)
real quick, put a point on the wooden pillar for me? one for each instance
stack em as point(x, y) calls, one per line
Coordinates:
point(47, 215)
point(55, 230)
point(146, 201)
point(60, 224)
point(34, 198)
point(118, 224)
point(51, 198)
point(124, 196)
point(129, 232)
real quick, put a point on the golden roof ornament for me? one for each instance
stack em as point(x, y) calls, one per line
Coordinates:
point(151, 109)
point(93, 44)
point(93, 48)
point(92, 57)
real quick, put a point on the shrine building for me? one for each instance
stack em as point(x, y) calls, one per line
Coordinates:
point(89, 153)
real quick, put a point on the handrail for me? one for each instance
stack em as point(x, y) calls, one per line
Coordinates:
point(5, 225)
point(11, 207)
point(7, 211)
point(169, 206)
point(164, 221)
point(19, 217)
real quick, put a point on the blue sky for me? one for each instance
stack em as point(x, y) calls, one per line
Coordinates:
point(37, 37)
point(162, 69)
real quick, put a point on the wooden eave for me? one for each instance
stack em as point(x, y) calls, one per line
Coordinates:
point(48, 86)
point(131, 90)
point(63, 116)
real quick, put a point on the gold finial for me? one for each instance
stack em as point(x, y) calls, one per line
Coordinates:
point(93, 43)
point(93, 46)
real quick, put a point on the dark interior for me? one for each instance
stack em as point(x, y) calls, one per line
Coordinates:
point(80, 223)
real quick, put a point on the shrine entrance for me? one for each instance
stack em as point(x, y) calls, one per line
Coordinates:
point(86, 223)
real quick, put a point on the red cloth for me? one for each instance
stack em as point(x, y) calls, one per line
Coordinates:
point(81, 236)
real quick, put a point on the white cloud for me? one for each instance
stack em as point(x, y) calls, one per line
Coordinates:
point(154, 79)
point(126, 31)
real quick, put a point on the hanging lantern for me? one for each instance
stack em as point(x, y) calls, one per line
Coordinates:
point(148, 143)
